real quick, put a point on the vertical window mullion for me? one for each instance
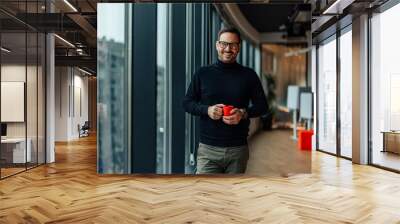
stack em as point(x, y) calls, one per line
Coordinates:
point(338, 95)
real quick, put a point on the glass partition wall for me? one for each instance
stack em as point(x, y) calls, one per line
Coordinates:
point(22, 94)
point(14, 150)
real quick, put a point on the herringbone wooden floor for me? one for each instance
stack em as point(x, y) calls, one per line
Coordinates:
point(70, 191)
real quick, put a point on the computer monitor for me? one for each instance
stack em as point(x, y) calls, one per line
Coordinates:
point(3, 129)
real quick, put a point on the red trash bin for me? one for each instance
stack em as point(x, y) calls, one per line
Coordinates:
point(305, 140)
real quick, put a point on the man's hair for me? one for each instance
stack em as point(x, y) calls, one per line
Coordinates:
point(229, 29)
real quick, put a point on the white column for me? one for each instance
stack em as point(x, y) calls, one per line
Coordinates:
point(360, 90)
point(50, 99)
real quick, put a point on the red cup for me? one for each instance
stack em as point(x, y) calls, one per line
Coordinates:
point(227, 110)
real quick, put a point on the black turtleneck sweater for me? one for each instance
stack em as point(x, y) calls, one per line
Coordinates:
point(229, 84)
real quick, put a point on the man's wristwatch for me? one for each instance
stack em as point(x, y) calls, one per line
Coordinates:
point(244, 113)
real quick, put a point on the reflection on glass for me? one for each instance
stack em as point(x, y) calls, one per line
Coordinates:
point(113, 95)
point(162, 86)
point(327, 97)
point(41, 99)
point(385, 114)
point(346, 94)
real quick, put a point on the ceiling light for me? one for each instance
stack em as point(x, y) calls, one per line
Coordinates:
point(5, 50)
point(70, 5)
point(84, 71)
point(297, 52)
point(64, 40)
point(337, 7)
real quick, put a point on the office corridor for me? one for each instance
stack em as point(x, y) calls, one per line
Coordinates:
point(276, 154)
point(70, 191)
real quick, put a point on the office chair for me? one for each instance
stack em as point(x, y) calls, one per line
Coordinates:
point(84, 130)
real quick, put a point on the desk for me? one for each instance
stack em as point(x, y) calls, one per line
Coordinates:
point(15, 148)
point(391, 141)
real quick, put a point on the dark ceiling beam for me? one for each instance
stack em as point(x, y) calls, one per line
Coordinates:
point(79, 61)
point(15, 18)
point(278, 2)
point(49, 22)
point(281, 38)
point(84, 24)
point(241, 23)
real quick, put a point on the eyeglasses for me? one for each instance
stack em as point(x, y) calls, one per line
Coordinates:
point(224, 45)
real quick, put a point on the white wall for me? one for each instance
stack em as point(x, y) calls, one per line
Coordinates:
point(71, 94)
point(62, 81)
point(79, 117)
point(12, 73)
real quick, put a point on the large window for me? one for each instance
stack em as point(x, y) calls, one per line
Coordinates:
point(346, 93)
point(113, 52)
point(327, 96)
point(385, 88)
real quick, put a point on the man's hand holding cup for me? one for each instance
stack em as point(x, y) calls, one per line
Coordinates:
point(215, 112)
point(232, 116)
point(229, 114)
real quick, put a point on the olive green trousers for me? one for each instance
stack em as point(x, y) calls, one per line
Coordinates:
point(214, 159)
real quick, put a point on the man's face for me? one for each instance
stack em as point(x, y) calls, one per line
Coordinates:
point(228, 47)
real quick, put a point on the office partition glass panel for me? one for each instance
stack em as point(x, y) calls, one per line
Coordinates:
point(215, 26)
point(327, 96)
point(31, 97)
point(346, 94)
point(243, 53)
point(163, 158)
point(114, 53)
point(257, 60)
point(15, 149)
point(385, 88)
point(251, 57)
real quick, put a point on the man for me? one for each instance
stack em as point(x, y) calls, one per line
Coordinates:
point(223, 139)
